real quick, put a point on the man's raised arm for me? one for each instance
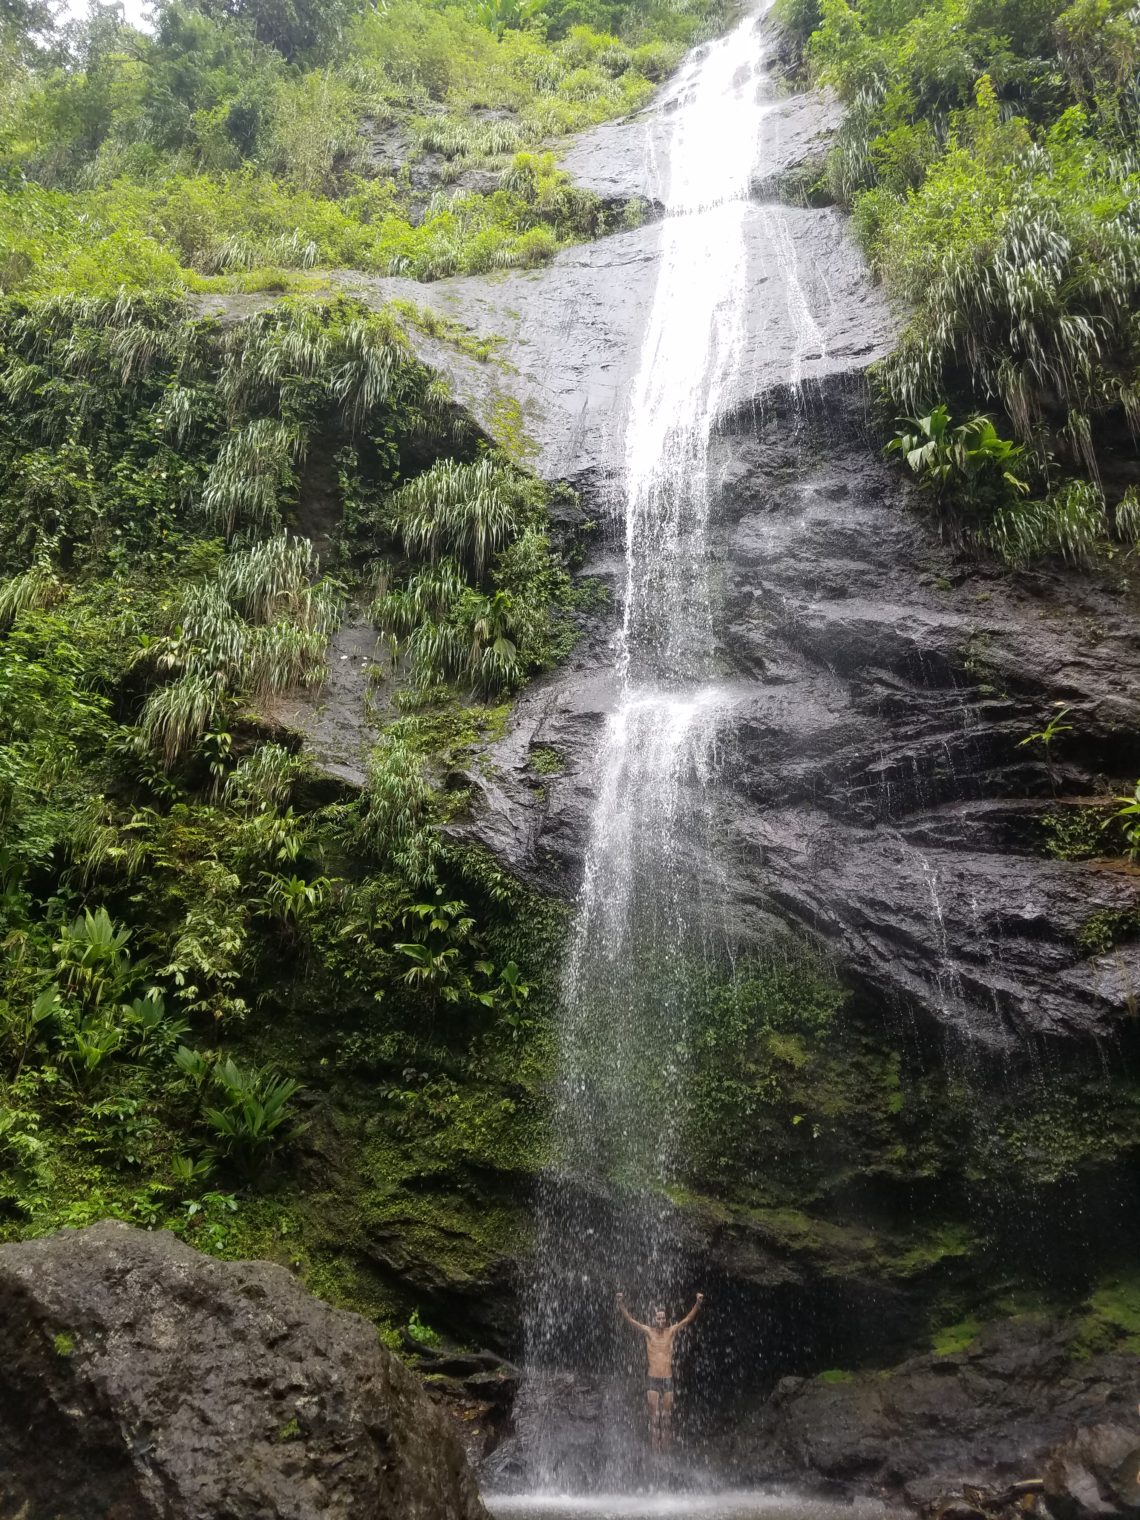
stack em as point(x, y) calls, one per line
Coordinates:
point(626, 1315)
point(692, 1314)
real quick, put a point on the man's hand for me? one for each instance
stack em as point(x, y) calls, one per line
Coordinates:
point(621, 1298)
point(700, 1298)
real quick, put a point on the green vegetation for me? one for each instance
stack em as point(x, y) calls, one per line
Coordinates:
point(199, 948)
point(988, 158)
point(1128, 813)
point(1078, 833)
point(423, 1334)
point(952, 1340)
point(1112, 1318)
point(232, 144)
point(545, 761)
point(477, 603)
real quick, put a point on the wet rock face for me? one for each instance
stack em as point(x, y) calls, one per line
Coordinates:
point(142, 1379)
point(556, 391)
point(876, 692)
point(991, 1413)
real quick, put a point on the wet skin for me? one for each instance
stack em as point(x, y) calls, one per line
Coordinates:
point(659, 1338)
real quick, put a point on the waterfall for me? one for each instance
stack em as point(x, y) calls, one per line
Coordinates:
point(647, 924)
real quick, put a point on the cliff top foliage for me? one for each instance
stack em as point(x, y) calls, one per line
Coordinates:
point(989, 158)
point(257, 140)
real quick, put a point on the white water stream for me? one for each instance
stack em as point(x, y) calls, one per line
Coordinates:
point(648, 926)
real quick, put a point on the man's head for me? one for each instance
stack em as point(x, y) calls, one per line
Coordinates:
point(659, 1318)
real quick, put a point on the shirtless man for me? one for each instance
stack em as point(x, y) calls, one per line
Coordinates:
point(659, 1338)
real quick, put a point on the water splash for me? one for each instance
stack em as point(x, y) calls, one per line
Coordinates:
point(771, 1504)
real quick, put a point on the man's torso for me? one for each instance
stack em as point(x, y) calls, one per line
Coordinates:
point(659, 1352)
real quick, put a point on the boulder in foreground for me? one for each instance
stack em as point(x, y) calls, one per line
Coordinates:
point(140, 1378)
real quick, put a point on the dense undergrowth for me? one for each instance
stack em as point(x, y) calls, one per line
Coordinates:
point(988, 156)
point(234, 143)
point(176, 893)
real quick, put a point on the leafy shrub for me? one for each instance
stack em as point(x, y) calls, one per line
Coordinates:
point(997, 196)
point(969, 466)
point(254, 1116)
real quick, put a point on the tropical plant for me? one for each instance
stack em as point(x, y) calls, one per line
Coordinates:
point(92, 960)
point(440, 966)
point(254, 1117)
point(34, 588)
point(187, 1170)
point(148, 1028)
point(1070, 523)
point(21, 1024)
point(263, 779)
point(291, 899)
point(397, 815)
point(970, 465)
point(469, 511)
point(88, 1048)
point(1045, 735)
point(193, 1067)
point(255, 470)
point(1129, 813)
point(259, 626)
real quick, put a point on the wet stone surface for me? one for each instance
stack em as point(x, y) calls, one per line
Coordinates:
point(877, 690)
point(556, 391)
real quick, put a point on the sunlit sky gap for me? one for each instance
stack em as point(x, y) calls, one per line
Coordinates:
point(136, 11)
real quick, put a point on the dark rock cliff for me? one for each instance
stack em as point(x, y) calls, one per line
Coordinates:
point(878, 793)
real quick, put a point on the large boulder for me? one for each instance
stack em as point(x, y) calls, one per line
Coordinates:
point(140, 1378)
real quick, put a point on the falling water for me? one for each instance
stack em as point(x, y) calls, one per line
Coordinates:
point(647, 927)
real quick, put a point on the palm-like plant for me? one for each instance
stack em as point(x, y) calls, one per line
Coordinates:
point(1071, 523)
point(1036, 319)
point(92, 959)
point(262, 780)
point(278, 576)
point(254, 470)
point(1129, 813)
point(176, 716)
point(370, 359)
point(36, 587)
point(254, 1116)
point(291, 899)
point(427, 597)
point(396, 820)
point(224, 642)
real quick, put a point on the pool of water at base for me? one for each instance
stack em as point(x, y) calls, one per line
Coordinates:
point(736, 1504)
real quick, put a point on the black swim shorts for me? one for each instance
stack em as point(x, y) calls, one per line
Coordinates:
point(659, 1385)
